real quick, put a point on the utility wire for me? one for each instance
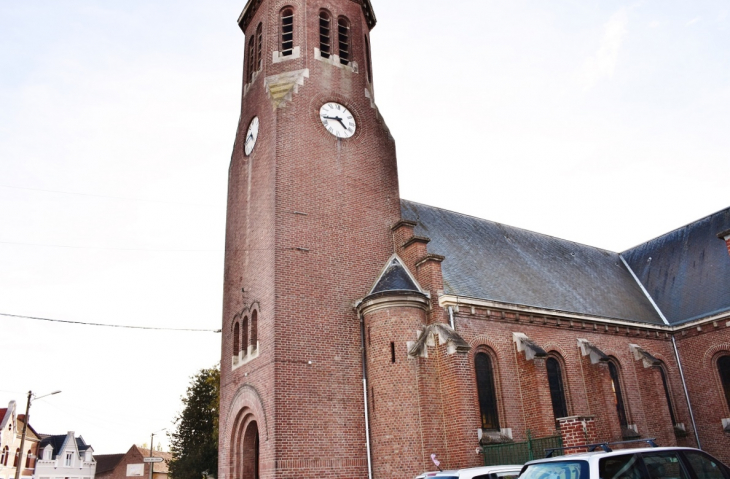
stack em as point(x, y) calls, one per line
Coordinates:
point(109, 325)
point(106, 196)
point(114, 249)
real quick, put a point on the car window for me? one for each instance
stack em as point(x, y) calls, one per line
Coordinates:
point(664, 465)
point(557, 470)
point(626, 466)
point(705, 467)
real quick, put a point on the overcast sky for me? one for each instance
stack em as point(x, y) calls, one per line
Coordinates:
point(602, 122)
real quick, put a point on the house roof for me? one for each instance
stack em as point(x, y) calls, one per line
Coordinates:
point(31, 433)
point(395, 277)
point(57, 442)
point(492, 261)
point(107, 462)
point(686, 271)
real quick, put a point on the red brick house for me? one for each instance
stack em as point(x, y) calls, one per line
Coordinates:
point(131, 464)
point(364, 332)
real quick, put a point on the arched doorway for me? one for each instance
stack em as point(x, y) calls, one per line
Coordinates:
point(250, 452)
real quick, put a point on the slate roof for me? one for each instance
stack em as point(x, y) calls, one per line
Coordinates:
point(686, 271)
point(56, 441)
point(492, 261)
point(394, 278)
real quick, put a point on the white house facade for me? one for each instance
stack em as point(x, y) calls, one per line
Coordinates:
point(65, 457)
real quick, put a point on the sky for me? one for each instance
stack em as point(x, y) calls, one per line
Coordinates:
point(604, 122)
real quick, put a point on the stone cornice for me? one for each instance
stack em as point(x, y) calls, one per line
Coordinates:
point(453, 300)
point(253, 5)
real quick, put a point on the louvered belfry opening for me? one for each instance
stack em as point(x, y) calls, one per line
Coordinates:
point(287, 31)
point(343, 36)
point(325, 33)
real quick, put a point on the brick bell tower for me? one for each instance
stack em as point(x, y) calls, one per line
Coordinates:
point(313, 193)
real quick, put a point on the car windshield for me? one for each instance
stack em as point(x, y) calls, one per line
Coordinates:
point(557, 470)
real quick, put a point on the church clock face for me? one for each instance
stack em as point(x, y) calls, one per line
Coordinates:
point(251, 136)
point(338, 120)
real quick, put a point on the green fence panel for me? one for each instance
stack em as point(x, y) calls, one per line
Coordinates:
point(520, 452)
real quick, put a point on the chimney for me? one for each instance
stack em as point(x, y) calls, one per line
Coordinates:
point(725, 236)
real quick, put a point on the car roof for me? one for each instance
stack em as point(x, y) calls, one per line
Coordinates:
point(588, 455)
point(480, 469)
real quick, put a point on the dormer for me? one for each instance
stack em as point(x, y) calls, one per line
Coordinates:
point(47, 454)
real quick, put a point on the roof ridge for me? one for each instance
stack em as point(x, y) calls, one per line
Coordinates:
point(685, 226)
point(515, 227)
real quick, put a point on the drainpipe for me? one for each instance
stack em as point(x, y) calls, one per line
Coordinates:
point(686, 392)
point(365, 395)
point(676, 351)
point(451, 318)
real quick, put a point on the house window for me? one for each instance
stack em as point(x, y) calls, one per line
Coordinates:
point(244, 343)
point(236, 339)
point(557, 391)
point(17, 457)
point(4, 456)
point(254, 328)
point(723, 364)
point(28, 464)
point(343, 37)
point(69, 459)
point(287, 31)
point(617, 394)
point(325, 26)
point(486, 391)
point(667, 394)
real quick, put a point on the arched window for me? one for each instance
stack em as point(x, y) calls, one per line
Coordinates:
point(250, 60)
point(667, 394)
point(254, 328)
point(259, 46)
point(325, 33)
point(367, 54)
point(617, 394)
point(236, 339)
point(4, 456)
point(17, 457)
point(486, 391)
point(723, 364)
point(343, 37)
point(287, 31)
point(244, 342)
point(557, 391)
point(27, 460)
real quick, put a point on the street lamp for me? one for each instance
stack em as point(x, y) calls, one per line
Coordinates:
point(152, 439)
point(25, 428)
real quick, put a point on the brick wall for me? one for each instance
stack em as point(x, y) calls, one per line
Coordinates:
point(308, 230)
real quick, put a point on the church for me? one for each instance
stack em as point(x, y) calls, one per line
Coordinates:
point(363, 332)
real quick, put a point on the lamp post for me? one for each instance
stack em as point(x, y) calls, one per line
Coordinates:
point(152, 439)
point(25, 429)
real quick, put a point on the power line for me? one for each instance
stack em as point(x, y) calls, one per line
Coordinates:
point(106, 196)
point(114, 249)
point(81, 323)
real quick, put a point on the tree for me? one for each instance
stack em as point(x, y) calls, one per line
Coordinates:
point(194, 442)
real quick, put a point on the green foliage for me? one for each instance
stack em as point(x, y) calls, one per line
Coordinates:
point(194, 442)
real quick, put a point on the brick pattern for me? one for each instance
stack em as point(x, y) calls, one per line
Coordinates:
point(308, 230)
point(310, 224)
point(577, 431)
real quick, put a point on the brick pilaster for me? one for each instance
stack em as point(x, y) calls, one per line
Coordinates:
point(578, 431)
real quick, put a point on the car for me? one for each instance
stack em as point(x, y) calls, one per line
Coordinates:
point(640, 463)
point(426, 475)
point(482, 472)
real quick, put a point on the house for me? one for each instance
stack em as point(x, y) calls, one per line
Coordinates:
point(131, 464)
point(11, 427)
point(65, 456)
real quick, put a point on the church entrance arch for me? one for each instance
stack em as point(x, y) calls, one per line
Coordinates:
point(249, 454)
